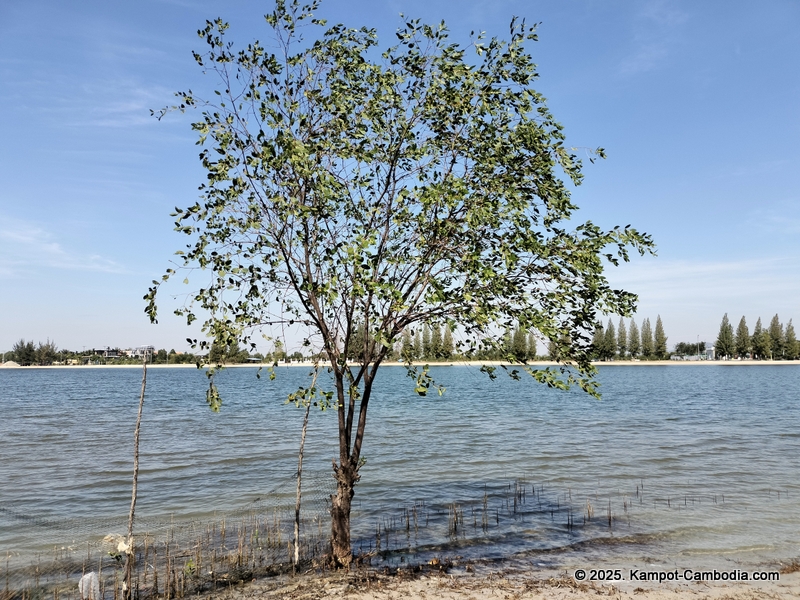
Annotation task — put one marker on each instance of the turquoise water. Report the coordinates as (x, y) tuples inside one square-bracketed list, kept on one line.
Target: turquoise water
[(698, 464)]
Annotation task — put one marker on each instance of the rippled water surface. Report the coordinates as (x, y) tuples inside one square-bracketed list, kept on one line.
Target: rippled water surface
[(695, 463)]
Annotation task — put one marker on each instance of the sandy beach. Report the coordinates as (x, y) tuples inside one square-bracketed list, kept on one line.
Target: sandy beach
[(429, 584)]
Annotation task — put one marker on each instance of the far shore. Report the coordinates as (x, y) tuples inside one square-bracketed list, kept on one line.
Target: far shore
[(455, 363)]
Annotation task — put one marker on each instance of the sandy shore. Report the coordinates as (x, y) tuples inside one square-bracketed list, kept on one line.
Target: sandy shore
[(431, 584)]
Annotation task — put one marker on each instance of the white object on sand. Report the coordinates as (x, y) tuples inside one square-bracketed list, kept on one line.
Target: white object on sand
[(89, 586)]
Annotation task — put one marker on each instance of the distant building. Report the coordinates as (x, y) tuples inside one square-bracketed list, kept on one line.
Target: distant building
[(107, 352), (143, 351)]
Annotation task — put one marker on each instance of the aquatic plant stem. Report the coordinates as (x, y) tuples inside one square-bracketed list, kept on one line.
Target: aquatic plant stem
[(129, 541), (299, 477), (300, 473)]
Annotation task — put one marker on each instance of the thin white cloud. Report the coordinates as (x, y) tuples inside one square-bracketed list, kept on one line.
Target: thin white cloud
[(654, 36), (779, 219), (106, 100), (120, 103), (25, 246)]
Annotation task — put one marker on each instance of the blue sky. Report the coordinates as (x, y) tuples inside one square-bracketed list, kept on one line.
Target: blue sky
[(696, 103)]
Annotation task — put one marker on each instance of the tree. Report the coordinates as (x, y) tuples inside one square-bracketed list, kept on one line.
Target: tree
[(532, 350), (358, 341), (506, 352), (660, 340), (278, 353), (395, 189), (598, 342), (790, 340), (609, 342), (407, 347), (417, 345), (690, 349), (447, 343), (742, 341), (221, 353), (46, 353), (427, 354), (647, 339), (436, 342), (622, 339), (725, 344), (24, 352), (776, 338), (519, 344), (760, 341), (633, 340)]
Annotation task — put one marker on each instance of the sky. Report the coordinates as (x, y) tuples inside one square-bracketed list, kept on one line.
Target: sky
[(696, 103)]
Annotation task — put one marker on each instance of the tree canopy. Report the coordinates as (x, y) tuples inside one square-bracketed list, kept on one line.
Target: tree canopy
[(742, 340), (647, 339), (634, 345), (726, 343), (354, 191)]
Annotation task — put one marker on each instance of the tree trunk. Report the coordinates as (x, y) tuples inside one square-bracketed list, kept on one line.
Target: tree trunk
[(346, 471), (346, 478)]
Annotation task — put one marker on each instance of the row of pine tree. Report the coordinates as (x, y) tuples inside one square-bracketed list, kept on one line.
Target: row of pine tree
[(623, 342), (436, 343), (431, 343), (773, 343)]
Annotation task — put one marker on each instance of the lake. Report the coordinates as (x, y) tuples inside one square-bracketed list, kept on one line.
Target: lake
[(697, 465)]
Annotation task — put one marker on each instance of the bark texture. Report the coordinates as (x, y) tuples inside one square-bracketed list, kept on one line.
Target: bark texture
[(341, 501)]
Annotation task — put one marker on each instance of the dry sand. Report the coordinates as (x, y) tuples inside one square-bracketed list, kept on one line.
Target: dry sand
[(430, 583)]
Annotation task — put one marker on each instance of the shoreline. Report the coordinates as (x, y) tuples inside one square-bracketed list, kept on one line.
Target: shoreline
[(454, 363), (469, 582)]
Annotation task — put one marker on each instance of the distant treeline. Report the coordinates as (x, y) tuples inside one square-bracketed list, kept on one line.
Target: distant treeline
[(27, 353), (435, 343), (773, 343)]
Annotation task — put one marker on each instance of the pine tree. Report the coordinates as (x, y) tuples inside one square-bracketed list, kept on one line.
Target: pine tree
[(760, 341), (417, 345), (610, 342), (406, 346), (508, 344), (436, 342), (622, 338), (447, 343), (742, 341), (634, 345), (358, 341), (426, 342), (725, 345), (519, 344), (790, 341), (46, 353), (776, 337), (552, 350), (647, 339), (660, 341), (25, 352), (531, 346), (598, 341)]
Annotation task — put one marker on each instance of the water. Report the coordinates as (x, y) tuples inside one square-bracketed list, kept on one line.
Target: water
[(700, 465)]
